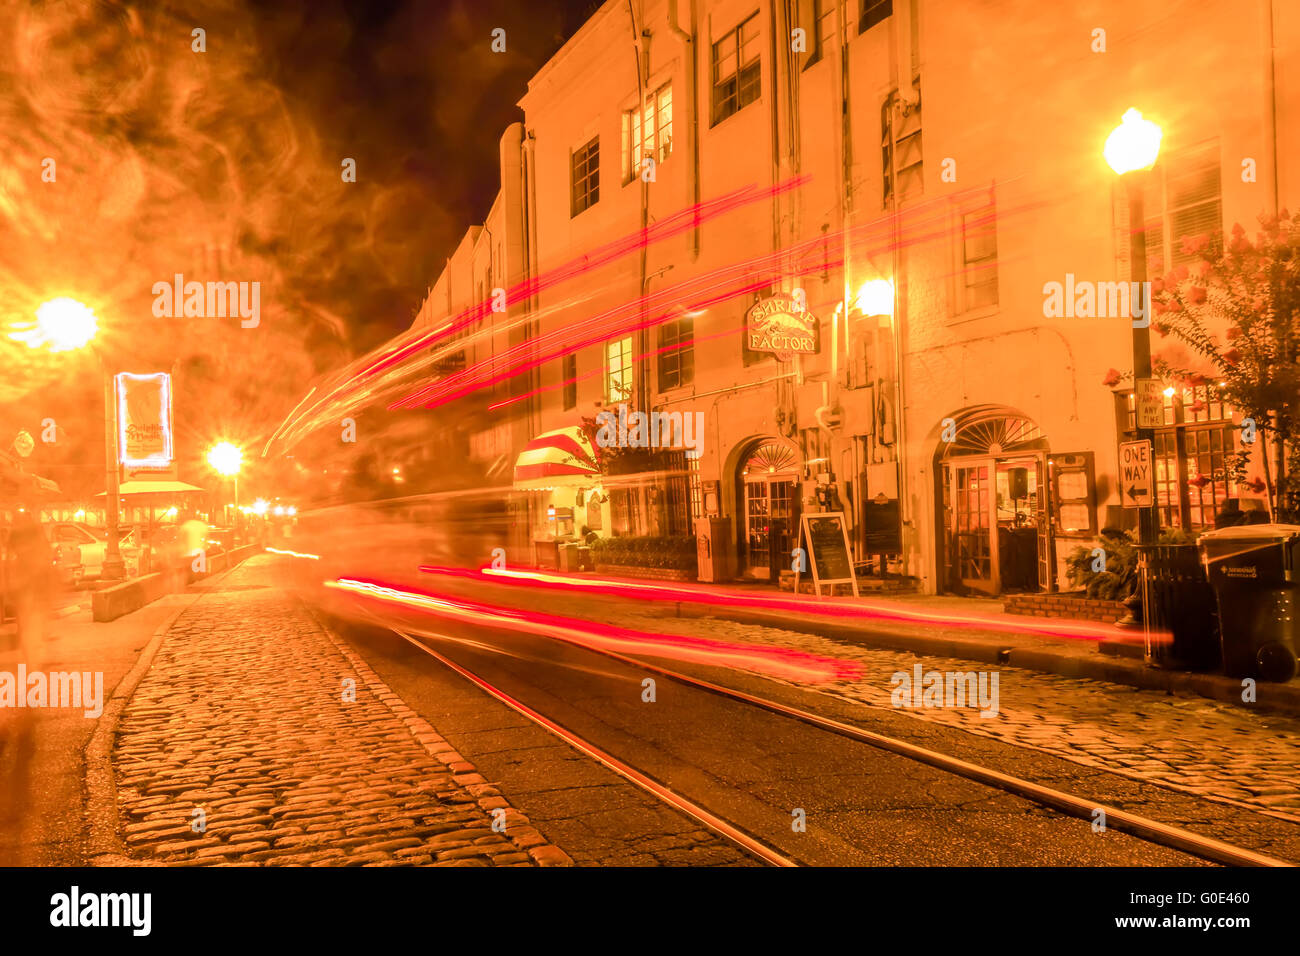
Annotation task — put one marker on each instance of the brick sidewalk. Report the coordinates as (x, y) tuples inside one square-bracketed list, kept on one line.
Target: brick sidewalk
[(243, 715)]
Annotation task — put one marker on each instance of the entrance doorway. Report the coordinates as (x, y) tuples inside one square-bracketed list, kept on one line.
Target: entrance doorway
[(995, 533), (770, 494)]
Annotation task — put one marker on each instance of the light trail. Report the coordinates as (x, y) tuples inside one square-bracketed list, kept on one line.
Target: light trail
[(698, 594), (784, 663)]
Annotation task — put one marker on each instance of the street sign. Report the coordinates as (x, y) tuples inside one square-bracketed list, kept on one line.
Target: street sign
[(1136, 479), (1149, 394)]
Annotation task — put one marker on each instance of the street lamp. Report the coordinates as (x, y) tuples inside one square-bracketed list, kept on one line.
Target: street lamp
[(1130, 150), (62, 325), (226, 458)]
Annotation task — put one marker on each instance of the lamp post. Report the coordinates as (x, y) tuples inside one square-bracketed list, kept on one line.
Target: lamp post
[(62, 325), (226, 458), (1131, 150)]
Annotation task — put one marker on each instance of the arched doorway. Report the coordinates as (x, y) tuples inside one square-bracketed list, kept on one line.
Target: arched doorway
[(767, 507), (991, 487)]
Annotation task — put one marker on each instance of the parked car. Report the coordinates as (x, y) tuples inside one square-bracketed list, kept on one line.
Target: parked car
[(93, 543)]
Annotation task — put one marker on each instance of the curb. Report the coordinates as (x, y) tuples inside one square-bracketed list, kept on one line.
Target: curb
[(1276, 698), (518, 829), (104, 846)]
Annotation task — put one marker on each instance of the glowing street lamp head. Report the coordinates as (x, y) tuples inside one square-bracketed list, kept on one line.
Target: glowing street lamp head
[(875, 297), (225, 458), (61, 325), (1133, 144)]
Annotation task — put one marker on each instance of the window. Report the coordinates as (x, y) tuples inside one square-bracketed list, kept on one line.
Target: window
[(1196, 442), (676, 354), (655, 130), (585, 179), (900, 146), (618, 370), (820, 17), (873, 12), (678, 491), (736, 70), (1182, 198), (569, 373), (979, 245)]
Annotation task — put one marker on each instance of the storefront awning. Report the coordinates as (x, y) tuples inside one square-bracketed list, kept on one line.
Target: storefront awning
[(128, 488), (562, 458)]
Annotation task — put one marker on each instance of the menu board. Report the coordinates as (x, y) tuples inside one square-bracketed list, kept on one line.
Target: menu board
[(828, 550)]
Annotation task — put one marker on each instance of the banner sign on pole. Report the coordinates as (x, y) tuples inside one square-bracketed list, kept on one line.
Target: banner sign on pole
[(144, 420)]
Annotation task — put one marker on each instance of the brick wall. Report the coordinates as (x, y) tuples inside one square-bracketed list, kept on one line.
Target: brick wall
[(658, 574), (1063, 605)]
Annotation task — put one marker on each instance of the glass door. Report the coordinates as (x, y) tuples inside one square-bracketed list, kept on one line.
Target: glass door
[(972, 564)]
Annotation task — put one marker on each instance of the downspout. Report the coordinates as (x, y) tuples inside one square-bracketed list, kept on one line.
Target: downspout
[(642, 339), (690, 61), (530, 240), (900, 411)]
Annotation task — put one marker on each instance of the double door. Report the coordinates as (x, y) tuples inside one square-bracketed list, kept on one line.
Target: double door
[(997, 527), (771, 521)]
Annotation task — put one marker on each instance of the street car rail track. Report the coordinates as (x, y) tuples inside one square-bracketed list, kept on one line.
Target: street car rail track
[(713, 822), (1152, 831)]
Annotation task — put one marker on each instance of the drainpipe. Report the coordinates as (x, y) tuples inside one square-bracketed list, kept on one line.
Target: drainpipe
[(1270, 99), (642, 392), (690, 60)]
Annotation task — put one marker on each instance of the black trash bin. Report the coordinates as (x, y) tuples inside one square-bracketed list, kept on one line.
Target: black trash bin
[(1253, 571), (1179, 613)]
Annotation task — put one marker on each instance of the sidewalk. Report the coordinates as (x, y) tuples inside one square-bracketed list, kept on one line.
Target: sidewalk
[(43, 812), (257, 737)]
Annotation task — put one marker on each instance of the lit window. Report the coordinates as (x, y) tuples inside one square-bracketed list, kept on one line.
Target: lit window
[(618, 370), (655, 131)]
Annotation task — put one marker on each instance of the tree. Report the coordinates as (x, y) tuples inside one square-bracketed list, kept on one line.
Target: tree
[(1237, 308)]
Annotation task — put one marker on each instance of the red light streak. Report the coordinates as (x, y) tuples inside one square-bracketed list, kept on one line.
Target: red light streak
[(699, 594), (784, 663)]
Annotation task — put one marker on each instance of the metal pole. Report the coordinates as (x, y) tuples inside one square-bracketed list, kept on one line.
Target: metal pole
[(114, 569), (1148, 518)]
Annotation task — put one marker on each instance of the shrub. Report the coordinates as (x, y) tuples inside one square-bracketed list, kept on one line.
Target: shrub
[(675, 552), (1120, 577)]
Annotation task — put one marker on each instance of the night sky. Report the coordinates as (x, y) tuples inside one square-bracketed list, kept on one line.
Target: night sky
[(413, 92)]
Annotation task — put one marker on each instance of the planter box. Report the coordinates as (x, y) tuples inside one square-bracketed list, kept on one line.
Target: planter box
[(657, 574), (1064, 605)]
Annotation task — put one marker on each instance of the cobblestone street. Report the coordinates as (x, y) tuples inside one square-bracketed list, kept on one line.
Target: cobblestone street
[(245, 744), (1214, 750)]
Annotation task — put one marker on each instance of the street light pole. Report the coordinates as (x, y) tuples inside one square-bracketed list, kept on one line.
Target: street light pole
[(1134, 182), (114, 568)]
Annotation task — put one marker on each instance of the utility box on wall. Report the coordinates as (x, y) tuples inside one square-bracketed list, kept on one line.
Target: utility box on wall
[(714, 551)]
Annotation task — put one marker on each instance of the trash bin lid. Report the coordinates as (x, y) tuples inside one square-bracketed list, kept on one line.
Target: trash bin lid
[(1255, 533)]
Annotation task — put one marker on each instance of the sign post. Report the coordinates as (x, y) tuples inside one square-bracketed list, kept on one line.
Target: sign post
[(1136, 476), (829, 556)]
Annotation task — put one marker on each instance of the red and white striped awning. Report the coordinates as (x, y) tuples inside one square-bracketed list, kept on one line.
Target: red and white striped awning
[(562, 458)]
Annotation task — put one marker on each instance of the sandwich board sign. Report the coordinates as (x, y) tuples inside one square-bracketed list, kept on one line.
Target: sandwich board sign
[(829, 556), (1136, 477)]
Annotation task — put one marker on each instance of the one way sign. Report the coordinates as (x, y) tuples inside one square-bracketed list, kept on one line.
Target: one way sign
[(1135, 478)]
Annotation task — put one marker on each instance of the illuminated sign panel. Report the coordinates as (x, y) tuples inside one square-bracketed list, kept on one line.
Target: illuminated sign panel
[(777, 324), (144, 420)]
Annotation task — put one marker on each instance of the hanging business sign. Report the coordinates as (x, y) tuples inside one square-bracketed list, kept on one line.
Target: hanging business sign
[(778, 325), (144, 420)]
